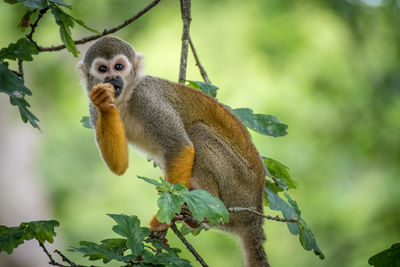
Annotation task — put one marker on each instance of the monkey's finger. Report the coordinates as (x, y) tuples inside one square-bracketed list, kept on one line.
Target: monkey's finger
[(105, 99), (97, 90), (100, 95)]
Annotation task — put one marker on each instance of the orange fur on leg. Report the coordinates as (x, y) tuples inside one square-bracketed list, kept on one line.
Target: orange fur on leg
[(180, 170)]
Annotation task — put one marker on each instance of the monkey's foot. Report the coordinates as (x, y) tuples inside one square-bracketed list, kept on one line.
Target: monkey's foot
[(156, 226)]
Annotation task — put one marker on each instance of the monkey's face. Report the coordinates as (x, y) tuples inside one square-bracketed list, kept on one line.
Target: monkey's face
[(116, 71)]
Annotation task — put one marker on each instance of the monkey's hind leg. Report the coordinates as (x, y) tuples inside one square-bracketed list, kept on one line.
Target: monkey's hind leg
[(179, 170)]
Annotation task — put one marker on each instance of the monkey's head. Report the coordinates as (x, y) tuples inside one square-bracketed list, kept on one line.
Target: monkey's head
[(111, 60)]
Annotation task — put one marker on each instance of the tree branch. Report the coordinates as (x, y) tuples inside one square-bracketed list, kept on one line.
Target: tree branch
[(201, 68), (188, 245), (20, 72), (186, 18), (268, 217), (105, 32)]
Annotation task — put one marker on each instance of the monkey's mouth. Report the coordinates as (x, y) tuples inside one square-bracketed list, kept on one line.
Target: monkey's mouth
[(117, 90)]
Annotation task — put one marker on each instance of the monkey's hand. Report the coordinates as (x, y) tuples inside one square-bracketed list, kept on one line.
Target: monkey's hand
[(102, 96), (110, 133)]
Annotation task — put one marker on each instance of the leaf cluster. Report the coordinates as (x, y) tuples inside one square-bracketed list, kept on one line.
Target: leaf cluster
[(135, 248), (12, 237), (201, 204)]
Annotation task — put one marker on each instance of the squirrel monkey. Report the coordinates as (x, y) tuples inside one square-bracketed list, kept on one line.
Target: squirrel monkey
[(192, 137)]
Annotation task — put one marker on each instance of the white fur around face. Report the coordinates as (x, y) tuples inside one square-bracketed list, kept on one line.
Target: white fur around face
[(110, 65)]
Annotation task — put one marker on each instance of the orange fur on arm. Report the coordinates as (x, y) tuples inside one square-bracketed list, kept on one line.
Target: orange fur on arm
[(180, 170), (112, 141)]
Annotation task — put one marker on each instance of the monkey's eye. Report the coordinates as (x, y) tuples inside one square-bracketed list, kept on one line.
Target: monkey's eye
[(119, 66), (102, 68)]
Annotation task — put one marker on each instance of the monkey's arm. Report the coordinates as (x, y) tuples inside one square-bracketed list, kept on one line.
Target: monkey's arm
[(110, 134)]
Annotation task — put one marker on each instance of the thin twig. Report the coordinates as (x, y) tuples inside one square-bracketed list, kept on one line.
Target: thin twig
[(35, 24), (105, 32), (188, 245), (201, 68), (186, 18), (52, 261), (268, 217), (65, 259)]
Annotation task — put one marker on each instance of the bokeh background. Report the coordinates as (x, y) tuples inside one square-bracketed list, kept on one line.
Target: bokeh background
[(329, 69)]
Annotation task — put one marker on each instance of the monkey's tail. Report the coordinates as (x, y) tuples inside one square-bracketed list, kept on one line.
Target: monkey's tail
[(252, 238)]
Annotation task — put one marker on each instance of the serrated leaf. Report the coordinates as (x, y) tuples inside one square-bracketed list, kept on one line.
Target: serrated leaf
[(206, 88), (169, 205), (86, 122), (22, 49), (150, 181), (100, 252), (14, 87), (129, 227), (387, 258), (280, 172), (275, 202), (204, 206), (41, 230), (60, 2), (11, 1), (261, 123), (10, 238), (65, 23), (292, 211), (165, 259), (185, 230), (160, 246), (33, 4)]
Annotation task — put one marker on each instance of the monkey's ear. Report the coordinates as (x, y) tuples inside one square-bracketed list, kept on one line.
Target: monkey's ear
[(138, 64), (83, 70)]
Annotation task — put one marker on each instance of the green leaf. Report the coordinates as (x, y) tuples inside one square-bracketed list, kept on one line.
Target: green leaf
[(150, 181), (86, 122), (104, 251), (33, 4), (14, 87), (160, 246), (261, 123), (65, 22), (41, 230), (10, 238), (11, 1), (169, 205), (185, 230), (292, 211), (387, 258), (280, 172), (206, 88), (129, 227), (22, 49), (165, 259), (277, 203), (60, 2), (204, 206)]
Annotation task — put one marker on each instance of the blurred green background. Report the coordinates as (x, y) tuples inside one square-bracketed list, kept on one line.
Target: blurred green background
[(329, 69)]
